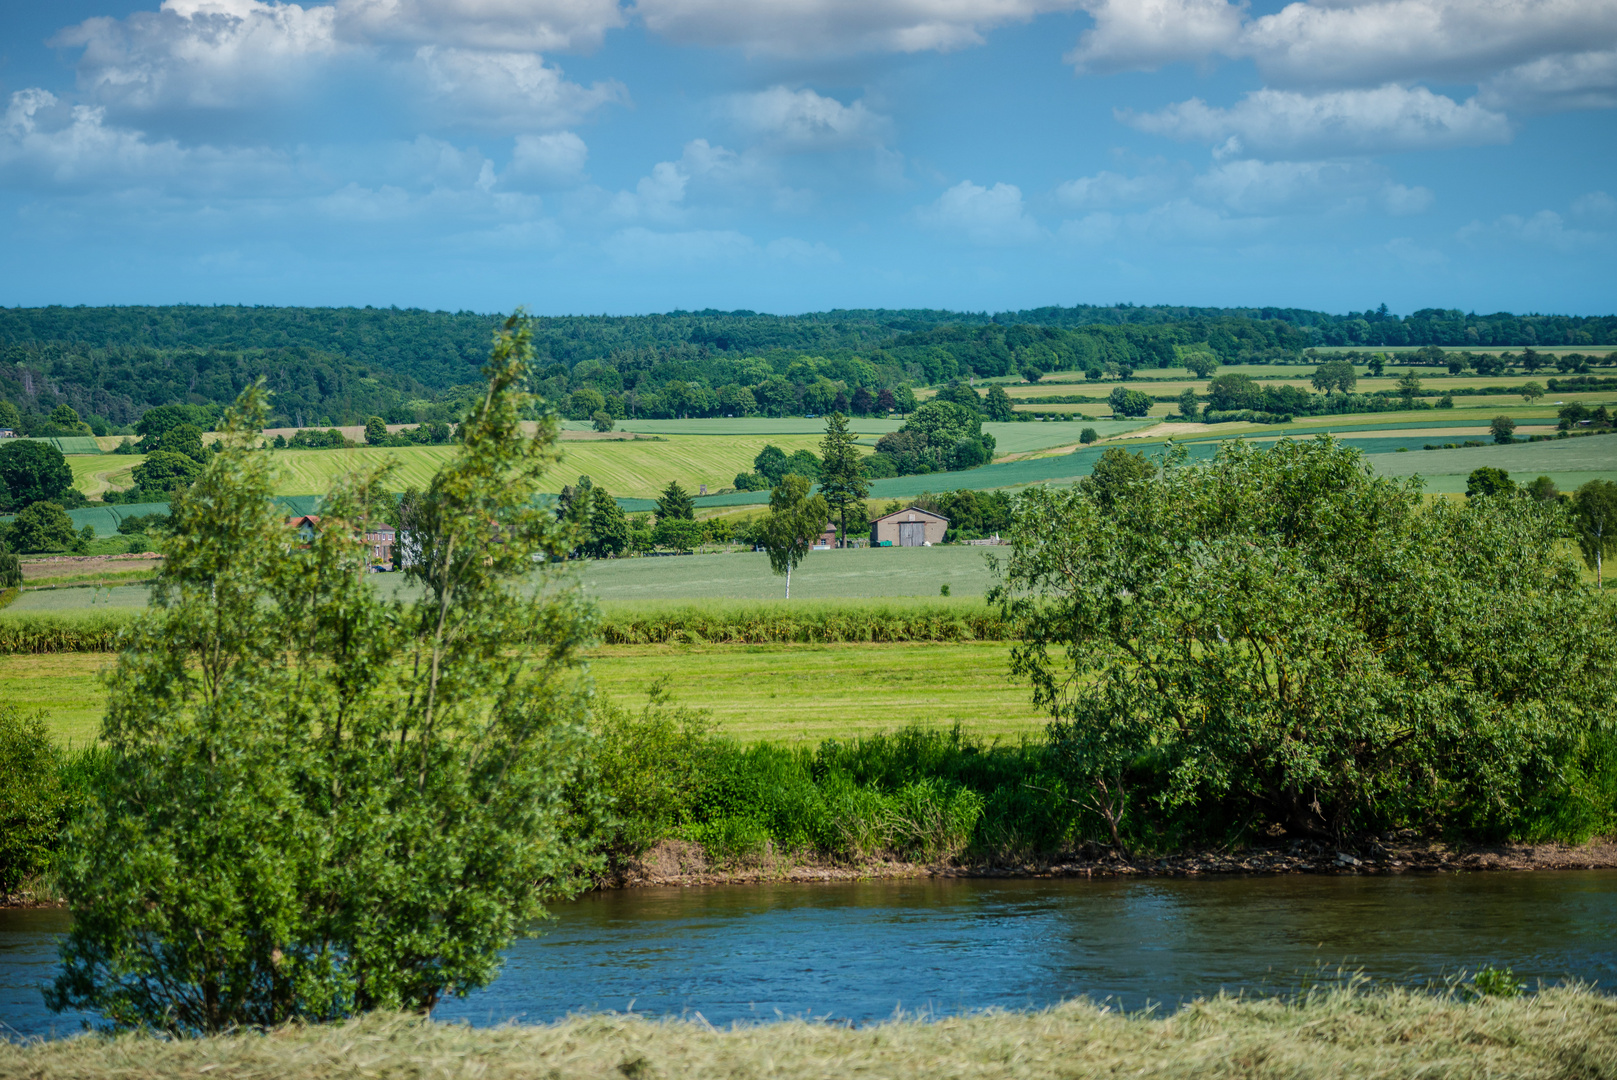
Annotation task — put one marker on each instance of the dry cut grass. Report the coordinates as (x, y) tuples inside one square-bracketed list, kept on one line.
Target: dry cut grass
[(1337, 1033)]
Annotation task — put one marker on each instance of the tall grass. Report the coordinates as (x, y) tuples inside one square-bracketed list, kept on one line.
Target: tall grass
[(732, 622), (75, 632), (718, 622)]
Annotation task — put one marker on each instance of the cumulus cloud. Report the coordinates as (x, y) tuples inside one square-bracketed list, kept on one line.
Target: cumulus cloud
[(508, 91), (992, 216), (67, 149), (1363, 44), (496, 25), (720, 177), (837, 27), (476, 63), (1107, 190), (1143, 35), (201, 53), (1281, 122), (546, 161), (1585, 80), (1340, 43), (802, 119)]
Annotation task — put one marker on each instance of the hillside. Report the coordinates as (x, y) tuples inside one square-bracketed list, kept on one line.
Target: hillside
[(338, 365)]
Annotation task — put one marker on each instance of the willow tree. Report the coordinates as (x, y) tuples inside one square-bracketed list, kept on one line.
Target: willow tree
[(326, 802)]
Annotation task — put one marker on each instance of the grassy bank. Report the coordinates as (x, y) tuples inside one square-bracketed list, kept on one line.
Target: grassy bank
[(1561, 1032)]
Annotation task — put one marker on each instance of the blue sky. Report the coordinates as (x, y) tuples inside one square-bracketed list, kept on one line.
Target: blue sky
[(628, 156)]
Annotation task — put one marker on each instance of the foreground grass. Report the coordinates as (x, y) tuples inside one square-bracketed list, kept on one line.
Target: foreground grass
[(1340, 1033), (778, 693)]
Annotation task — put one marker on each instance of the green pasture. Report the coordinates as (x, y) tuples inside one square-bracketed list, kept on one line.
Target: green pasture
[(1593, 456), (754, 692), (853, 572), (96, 473), (768, 428)]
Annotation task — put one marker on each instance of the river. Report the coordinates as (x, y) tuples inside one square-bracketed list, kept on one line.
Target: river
[(861, 951)]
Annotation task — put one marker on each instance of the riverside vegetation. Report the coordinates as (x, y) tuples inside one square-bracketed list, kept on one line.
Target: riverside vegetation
[(1270, 642)]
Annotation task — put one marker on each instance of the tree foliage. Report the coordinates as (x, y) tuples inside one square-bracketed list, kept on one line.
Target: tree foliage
[(1281, 637), (794, 521), (40, 527), (842, 479), (675, 503), (1594, 516), (30, 471), (323, 802)]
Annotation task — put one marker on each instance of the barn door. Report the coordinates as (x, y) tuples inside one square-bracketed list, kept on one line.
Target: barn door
[(911, 533)]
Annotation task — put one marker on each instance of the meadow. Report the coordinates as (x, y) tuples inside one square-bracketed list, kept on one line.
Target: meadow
[(775, 693)]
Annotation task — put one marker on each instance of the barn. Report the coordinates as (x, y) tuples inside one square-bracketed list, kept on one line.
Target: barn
[(910, 527)]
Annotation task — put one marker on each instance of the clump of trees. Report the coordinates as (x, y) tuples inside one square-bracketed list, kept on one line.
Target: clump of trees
[(1283, 639), (944, 434), (321, 802)]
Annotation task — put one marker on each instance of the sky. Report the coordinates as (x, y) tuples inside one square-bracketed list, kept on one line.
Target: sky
[(632, 156)]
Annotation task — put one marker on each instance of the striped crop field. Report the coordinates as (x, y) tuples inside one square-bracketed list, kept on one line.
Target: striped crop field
[(96, 473), (639, 468)]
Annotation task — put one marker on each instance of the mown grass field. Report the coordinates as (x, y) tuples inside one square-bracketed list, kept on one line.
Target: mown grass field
[(639, 468), (1328, 1034), (856, 572), (96, 473), (780, 693)]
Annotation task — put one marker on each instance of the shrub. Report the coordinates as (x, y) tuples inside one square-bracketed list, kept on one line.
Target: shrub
[(1087, 436), (33, 801)]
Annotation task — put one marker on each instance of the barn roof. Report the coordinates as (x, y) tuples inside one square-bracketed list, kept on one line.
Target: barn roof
[(896, 514)]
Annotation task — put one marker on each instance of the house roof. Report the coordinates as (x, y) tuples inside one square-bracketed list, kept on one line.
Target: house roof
[(310, 520), (903, 515)]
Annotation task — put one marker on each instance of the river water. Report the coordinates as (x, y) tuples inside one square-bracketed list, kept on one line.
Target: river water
[(860, 951)]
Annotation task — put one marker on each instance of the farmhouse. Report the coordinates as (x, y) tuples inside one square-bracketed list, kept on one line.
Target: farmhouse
[(379, 538), (910, 527)]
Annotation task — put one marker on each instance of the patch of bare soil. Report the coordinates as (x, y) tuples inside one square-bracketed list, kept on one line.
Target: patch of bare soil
[(676, 862), (55, 566), (1156, 431)]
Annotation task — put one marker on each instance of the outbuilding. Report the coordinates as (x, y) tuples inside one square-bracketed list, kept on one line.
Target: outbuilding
[(910, 527)]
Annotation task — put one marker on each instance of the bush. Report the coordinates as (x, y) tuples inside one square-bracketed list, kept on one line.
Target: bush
[(41, 527), (1087, 436), (33, 801)]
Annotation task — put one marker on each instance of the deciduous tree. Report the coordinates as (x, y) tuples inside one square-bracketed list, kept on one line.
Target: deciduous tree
[(795, 520), (1594, 514), (324, 802)]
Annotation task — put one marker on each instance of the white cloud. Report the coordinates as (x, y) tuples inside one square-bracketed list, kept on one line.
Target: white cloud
[(1106, 190), (837, 27), (1344, 43), (1269, 187), (722, 178), (546, 161), (64, 148), (1545, 229), (1363, 44), (496, 25), (1585, 80), (1143, 35), (989, 216), (509, 91), (802, 119), (1405, 250), (476, 64), (1283, 122), (1595, 206), (201, 53)]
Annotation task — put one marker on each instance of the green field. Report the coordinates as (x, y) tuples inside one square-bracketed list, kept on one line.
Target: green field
[(754, 692), (856, 572)]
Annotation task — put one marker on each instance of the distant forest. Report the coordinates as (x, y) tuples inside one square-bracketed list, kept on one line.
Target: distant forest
[(331, 366)]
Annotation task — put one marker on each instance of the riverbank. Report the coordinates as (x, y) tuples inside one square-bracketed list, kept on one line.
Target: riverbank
[(680, 863), (1561, 1032)]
